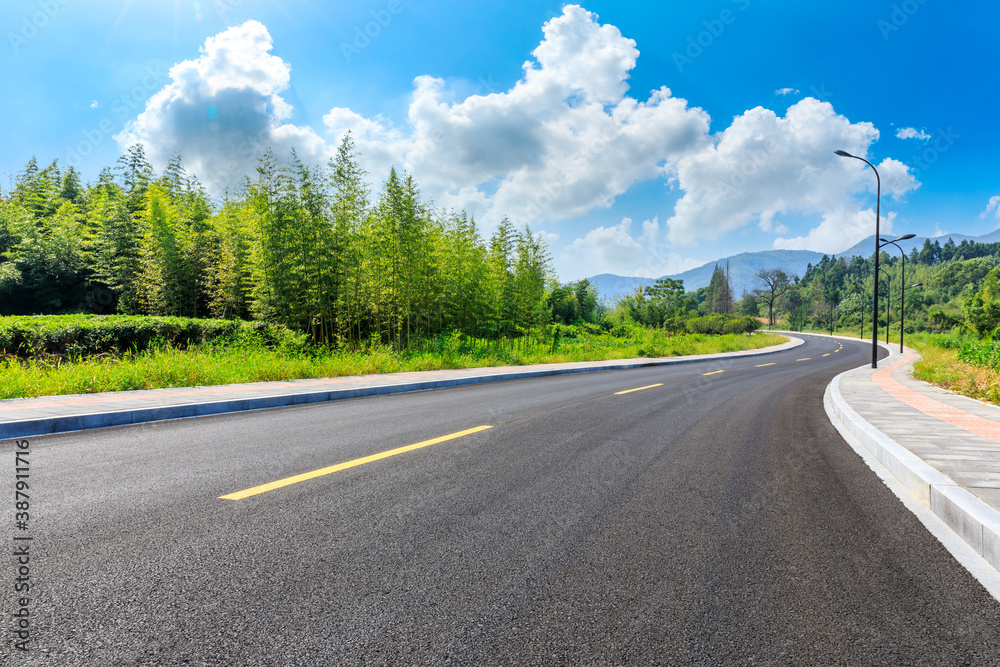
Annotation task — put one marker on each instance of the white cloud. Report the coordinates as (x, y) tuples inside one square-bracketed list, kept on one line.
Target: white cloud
[(763, 166), (786, 91), (616, 250), (563, 140), (993, 206), (94, 104), (222, 110), (839, 230), (912, 133)]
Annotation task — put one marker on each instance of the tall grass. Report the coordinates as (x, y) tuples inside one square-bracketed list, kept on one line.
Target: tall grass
[(960, 364), (228, 363)]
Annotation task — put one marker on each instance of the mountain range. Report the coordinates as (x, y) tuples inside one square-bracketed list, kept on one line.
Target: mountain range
[(744, 266)]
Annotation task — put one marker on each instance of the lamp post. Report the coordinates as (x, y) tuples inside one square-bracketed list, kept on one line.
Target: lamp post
[(878, 204), (902, 294)]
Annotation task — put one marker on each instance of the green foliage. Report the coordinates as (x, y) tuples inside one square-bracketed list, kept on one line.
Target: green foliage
[(981, 353), (225, 362), (982, 309), (719, 294), (76, 336), (299, 246), (722, 324)]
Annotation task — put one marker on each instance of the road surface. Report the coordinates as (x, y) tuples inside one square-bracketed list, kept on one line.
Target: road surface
[(709, 515)]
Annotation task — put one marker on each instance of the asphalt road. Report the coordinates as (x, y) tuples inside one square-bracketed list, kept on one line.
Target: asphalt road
[(715, 519)]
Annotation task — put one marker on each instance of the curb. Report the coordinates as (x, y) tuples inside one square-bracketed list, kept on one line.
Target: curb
[(968, 516), (82, 422)]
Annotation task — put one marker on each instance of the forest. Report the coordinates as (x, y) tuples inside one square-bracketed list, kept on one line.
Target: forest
[(949, 288), (307, 247), (313, 249)]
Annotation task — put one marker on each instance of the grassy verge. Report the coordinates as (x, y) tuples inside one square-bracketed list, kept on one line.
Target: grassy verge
[(940, 364), (213, 364)]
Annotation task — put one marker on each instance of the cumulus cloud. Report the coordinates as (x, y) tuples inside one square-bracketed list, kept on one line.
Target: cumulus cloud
[(616, 250), (993, 206), (222, 110), (562, 141), (763, 166), (912, 133), (786, 91), (565, 139)]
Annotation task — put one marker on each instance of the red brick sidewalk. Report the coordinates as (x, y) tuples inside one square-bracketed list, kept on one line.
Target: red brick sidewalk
[(946, 413)]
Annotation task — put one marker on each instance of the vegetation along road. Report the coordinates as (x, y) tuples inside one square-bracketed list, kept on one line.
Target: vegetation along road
[(705, 513)]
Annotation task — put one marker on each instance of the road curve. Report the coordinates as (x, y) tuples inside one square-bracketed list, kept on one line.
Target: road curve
[(698, 514)]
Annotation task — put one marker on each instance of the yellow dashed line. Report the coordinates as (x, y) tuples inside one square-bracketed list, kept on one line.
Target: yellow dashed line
[(239, 495), (713, 372), (770, 364), (629, 391)]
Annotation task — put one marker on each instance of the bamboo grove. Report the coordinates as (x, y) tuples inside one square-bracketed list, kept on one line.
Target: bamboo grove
[(306, 246)]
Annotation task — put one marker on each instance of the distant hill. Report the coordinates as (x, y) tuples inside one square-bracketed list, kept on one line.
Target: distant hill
[(866, 247), (744, 266)]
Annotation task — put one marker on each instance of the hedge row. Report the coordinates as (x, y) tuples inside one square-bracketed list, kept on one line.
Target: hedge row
[(86, 335), (712, 324)]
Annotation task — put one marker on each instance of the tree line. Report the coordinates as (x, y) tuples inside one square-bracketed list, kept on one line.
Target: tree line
[(310, 247), (948, 287)]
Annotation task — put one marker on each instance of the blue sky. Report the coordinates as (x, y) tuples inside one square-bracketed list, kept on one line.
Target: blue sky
[(639, 138)]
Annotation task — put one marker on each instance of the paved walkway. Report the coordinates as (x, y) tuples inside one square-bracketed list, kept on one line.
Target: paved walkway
[(943, 447), (21, 418)]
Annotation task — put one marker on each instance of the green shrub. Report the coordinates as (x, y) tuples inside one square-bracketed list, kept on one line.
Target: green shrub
[(675, 325), (89, 335), (984, 353)]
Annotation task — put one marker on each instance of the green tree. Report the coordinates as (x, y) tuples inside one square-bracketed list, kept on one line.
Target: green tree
[(982, 310), (772, 284)]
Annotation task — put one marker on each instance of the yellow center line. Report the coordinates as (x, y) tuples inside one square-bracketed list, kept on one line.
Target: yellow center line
[(713, 372), (806, 359), (827, 354), (770, 364), (629, 391), (240, 495)]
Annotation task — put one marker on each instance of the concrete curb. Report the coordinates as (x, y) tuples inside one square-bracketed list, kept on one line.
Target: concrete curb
[(81, 422), (968, 516)]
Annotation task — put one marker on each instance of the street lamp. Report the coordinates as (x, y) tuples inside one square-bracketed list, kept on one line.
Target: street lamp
[(878, 204), (902, 296)]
